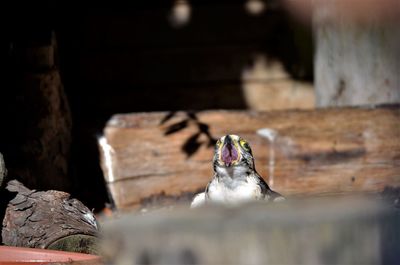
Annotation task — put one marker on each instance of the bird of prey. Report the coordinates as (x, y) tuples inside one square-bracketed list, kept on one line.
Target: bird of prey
[(235, 178)]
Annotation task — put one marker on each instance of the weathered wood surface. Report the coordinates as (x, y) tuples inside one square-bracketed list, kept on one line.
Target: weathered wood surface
[(319, 231), (48, 219), (157, 156), (355, 63)]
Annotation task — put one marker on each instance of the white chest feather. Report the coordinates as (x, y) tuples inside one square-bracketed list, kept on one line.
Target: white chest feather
[(232, 190)]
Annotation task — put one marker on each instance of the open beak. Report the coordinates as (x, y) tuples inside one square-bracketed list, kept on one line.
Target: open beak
[(229, 153)]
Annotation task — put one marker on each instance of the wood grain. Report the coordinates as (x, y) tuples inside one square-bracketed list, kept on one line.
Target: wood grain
[(317, 152)]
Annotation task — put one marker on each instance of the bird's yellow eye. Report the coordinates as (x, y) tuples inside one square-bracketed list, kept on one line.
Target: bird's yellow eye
[(244, 144), (218, 142)]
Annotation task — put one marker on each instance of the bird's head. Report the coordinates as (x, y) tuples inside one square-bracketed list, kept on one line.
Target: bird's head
[(232, 150)]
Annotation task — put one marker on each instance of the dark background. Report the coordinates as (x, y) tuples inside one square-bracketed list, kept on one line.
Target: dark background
[(118, 57)]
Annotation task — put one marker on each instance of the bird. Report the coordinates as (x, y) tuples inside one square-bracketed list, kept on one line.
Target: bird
[(235, 179)]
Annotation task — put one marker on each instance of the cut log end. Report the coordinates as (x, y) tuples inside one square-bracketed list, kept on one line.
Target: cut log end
[(77, 243)]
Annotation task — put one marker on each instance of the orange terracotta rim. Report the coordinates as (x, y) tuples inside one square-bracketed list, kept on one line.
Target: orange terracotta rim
[(20, 255)]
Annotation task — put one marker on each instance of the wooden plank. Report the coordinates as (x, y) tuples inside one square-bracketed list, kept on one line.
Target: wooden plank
[(317, 152)]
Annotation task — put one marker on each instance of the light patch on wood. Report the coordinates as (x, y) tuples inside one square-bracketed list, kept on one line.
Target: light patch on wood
[(270, 134), (107, 152), (267, 86)]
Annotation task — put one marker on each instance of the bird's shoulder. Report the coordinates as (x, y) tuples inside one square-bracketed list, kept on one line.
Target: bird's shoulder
[(198, 200), (269, 194)]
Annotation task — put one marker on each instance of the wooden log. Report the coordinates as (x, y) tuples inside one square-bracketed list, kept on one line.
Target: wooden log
[(48, 219), (155, 157)]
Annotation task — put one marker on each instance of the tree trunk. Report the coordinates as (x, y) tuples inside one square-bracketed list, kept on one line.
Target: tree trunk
[(36, 140)]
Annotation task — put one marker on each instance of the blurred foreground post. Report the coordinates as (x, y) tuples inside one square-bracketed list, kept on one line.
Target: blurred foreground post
[(338, 231), (357, 57)]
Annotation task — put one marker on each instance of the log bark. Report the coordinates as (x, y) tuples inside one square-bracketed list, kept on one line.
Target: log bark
[(48, 219), (158, 158)]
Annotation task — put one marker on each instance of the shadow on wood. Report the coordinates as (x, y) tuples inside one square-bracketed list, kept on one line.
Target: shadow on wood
[(318, 152)]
